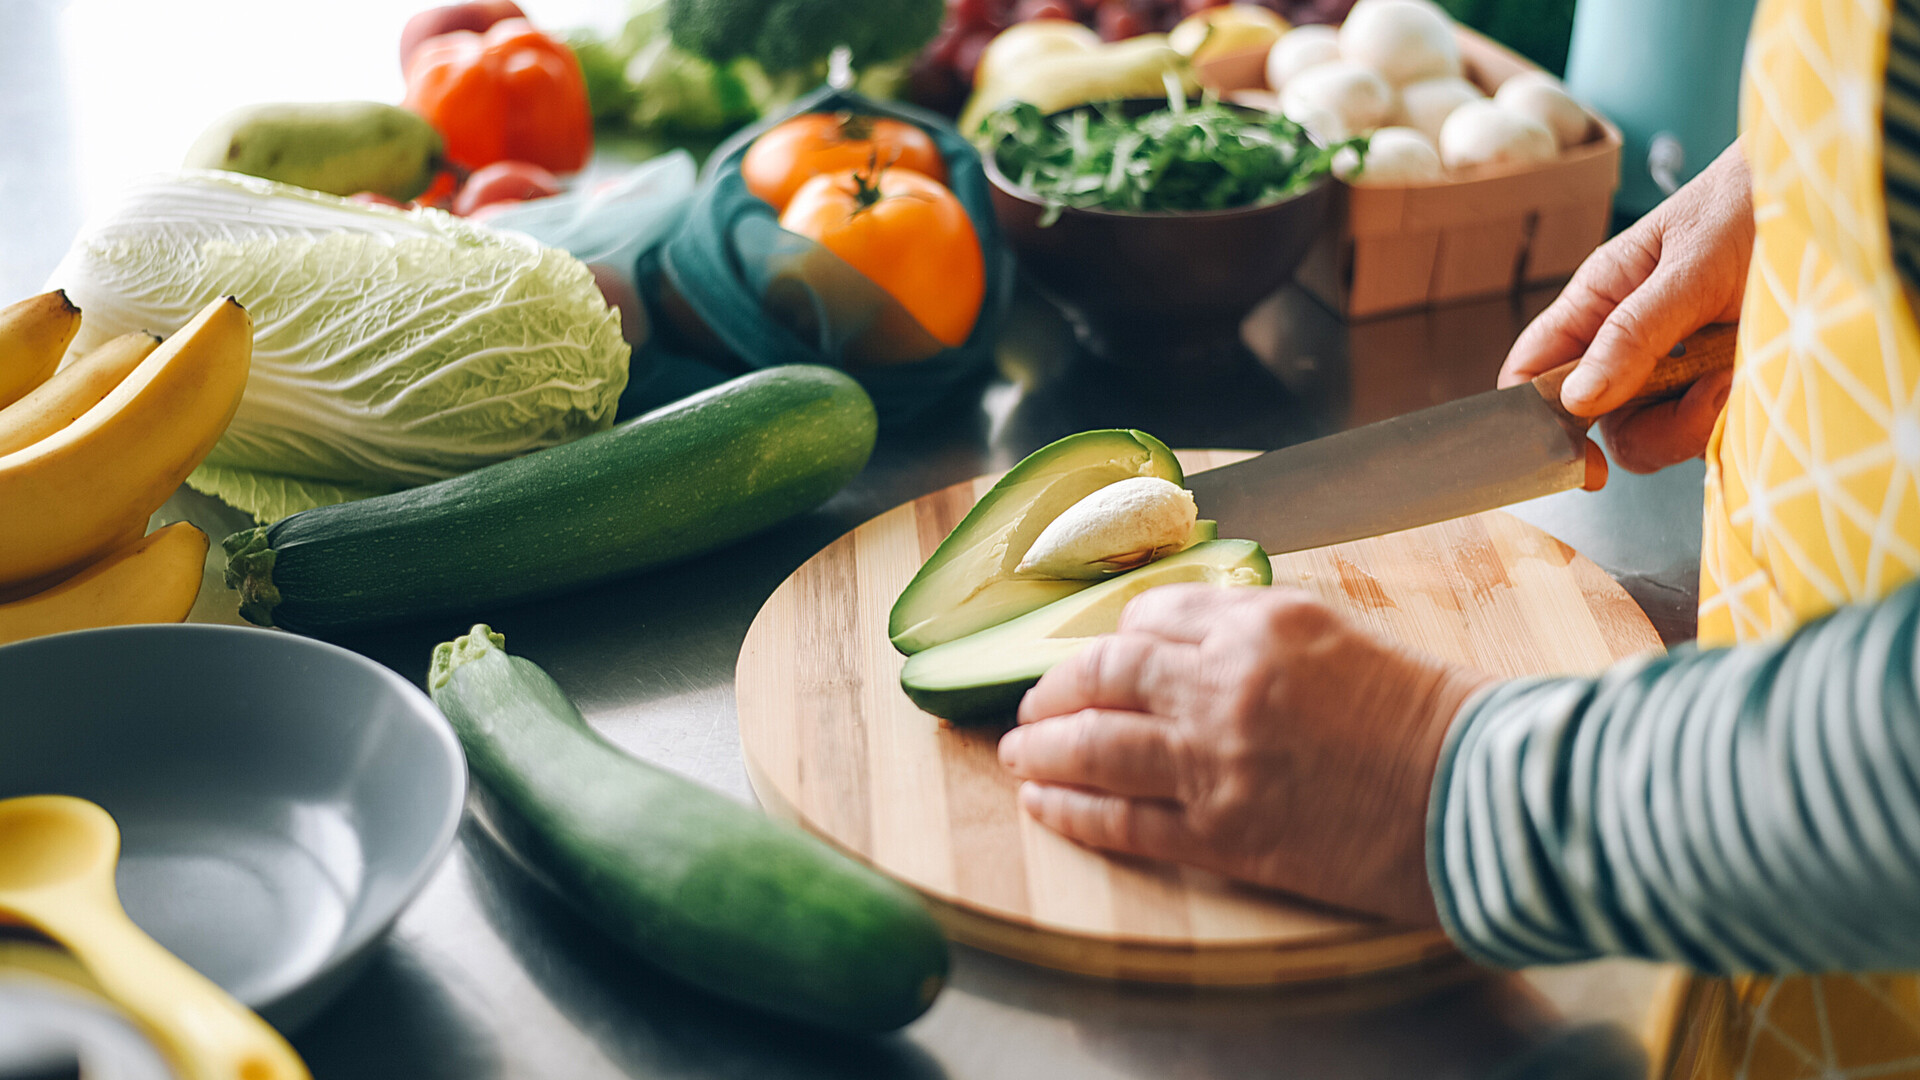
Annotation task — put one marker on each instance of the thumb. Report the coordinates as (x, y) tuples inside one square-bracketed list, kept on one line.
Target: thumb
[(1645, 327)]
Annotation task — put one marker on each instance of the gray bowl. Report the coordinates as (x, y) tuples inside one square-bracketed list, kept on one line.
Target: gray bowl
[(279, 799)]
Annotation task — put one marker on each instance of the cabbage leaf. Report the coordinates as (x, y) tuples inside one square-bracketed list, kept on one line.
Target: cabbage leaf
[(390, 348)]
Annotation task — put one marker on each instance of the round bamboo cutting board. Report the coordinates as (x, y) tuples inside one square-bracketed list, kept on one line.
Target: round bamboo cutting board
[(832, 742)]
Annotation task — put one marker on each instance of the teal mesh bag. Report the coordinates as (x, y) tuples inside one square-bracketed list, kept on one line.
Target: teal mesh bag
[(729, 287)]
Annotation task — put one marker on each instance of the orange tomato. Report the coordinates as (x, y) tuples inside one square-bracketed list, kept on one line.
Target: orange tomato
[(904, 231), (802, 148)]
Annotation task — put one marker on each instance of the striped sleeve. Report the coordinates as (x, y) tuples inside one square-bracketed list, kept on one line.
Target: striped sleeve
[(1900, 122), (1752, 809)]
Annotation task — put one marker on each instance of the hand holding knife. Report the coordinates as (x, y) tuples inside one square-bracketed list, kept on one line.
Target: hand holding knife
[(1461, 457)]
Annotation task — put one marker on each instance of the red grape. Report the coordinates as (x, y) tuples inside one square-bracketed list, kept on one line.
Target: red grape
[(967, 56), (1042, 9), (974, 14), (941, 51), (1115, 22)]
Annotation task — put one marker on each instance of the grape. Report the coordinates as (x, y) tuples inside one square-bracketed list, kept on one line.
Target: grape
[(1115, 21), (1042, 9), (967, 56), (974, 14)]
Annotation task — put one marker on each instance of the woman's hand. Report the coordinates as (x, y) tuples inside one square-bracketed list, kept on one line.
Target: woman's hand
[(1252, 732), (1679, 268)]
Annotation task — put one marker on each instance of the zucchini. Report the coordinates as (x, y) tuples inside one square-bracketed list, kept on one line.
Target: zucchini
[(694, 883), (676, 482)]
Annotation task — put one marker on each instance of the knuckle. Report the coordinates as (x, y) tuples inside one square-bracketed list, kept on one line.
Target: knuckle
[(1091, 661), (1118, 824), (1293, 614), (1083, 745)]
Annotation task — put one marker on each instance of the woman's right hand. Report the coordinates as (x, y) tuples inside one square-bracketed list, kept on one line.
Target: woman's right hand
[(1679, 268)]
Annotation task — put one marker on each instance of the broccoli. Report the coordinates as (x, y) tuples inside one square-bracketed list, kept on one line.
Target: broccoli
[(794, 36)]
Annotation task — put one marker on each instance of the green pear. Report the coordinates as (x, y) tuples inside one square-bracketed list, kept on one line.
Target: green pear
[(342, 147)]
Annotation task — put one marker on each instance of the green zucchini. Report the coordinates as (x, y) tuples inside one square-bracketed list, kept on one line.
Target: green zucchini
[(671, 484), (693, 882)]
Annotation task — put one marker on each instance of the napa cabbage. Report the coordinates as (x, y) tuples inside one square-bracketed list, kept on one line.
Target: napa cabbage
[(391, 348)]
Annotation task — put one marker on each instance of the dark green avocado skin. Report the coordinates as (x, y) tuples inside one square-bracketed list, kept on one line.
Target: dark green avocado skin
[(1001, 666), (991, 703)]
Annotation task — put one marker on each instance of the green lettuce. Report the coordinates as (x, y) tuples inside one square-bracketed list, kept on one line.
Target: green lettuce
[(390, 348)]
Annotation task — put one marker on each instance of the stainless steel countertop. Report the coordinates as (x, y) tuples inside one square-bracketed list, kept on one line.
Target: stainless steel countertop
[(487, 977)]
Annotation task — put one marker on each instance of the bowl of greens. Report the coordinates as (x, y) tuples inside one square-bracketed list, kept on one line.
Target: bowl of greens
[(1157, 224)]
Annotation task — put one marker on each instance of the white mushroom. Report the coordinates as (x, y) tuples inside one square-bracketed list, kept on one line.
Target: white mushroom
[(1425, 105), (1354, 97), (1542, 97), (1123, 525), (1395, 155), (1404, 40), (1482, 133), (1299, 49)]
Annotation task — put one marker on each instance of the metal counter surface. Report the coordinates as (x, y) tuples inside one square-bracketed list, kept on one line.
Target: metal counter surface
[(486, 976)]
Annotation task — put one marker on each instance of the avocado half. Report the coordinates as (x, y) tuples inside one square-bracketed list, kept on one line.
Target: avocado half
[(969, 583), (981, 677)]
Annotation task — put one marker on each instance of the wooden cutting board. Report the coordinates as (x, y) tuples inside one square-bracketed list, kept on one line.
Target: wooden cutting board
[(833, 743)]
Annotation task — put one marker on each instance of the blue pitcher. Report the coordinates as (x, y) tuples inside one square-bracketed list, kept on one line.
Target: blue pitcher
[(1668, 73)]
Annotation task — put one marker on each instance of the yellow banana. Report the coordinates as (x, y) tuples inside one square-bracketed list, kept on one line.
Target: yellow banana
[(154, 579), (72, 391), (34, 334), (78, 492)]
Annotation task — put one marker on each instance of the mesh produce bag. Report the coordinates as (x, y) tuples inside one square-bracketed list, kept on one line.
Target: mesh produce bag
[(729, 289)]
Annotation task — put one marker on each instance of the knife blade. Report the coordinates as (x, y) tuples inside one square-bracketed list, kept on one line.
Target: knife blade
[(1462, 457)]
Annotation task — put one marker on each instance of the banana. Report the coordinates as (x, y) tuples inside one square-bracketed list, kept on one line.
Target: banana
[(34, 334), (77, 493), (72, 390), (154, 579)]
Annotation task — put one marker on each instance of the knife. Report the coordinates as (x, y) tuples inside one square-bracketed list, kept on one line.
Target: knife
[(1476, 453)]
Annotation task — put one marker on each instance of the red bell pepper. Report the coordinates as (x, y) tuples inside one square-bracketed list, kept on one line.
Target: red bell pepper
[(510, 94)]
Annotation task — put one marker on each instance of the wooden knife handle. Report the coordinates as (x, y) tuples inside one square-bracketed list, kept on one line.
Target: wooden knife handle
[(1709, 350)]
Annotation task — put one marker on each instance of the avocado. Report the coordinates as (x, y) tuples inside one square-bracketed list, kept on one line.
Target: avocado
[(341, 147), (981, 677), (970, 583)]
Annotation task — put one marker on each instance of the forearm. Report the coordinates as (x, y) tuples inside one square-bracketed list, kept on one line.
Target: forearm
[(1746, 809)]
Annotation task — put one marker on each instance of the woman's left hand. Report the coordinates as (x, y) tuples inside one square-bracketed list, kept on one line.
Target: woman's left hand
[(1252, 732)]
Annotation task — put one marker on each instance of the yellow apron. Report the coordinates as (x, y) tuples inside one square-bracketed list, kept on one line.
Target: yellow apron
[(1811, 498)]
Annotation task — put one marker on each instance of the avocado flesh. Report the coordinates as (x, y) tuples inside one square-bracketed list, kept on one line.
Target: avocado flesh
[(981, 678), (969, 583)]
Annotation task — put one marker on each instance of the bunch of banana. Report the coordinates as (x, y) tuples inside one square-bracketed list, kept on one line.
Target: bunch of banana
[(88, 452)]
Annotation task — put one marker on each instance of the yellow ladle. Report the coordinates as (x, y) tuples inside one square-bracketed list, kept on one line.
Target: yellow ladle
[(57, 856)]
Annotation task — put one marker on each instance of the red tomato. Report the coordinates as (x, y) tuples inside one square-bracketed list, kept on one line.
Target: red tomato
[(808, 145), (504, 181), (374, 198), (907, 234)]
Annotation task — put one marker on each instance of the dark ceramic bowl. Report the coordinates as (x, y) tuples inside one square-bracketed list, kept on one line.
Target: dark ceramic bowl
[(1149, 287)]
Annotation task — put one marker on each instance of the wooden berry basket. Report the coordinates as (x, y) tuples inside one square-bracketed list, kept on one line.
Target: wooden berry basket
[(1486, 231)]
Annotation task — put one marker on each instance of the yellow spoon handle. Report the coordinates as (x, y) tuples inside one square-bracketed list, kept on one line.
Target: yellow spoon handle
[(205, 1033)]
